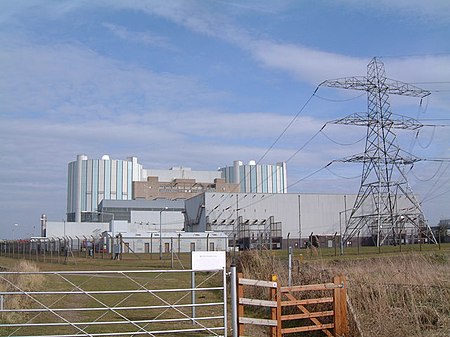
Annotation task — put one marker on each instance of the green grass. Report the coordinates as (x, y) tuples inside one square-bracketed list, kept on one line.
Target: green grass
[(367, 268), (392, 293), (362, 252), (130, 281)]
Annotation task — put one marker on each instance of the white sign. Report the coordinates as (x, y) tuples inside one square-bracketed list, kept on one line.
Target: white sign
[(208, 260)]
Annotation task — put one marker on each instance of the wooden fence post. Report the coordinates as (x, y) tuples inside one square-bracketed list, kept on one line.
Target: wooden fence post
[(279, 322), (274, 314), (340, 307), (240, 291)]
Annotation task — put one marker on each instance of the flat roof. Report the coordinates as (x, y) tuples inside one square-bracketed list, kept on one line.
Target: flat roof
[(157, 204)]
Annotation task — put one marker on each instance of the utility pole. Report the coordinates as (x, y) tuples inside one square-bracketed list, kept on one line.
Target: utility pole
[(385, 203)]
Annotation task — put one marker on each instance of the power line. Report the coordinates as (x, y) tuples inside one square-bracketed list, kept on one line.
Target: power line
[(435, 119), (339, 143), (269, 195), (415, 55), (430, 191), (432, 177), (436, 196), (311, 174), (436, 125), (340, 100), (429, 143), (305, 144), (276, 141), (343, 177), (435, 82), (288, 126), (382, 179), (270, 148)]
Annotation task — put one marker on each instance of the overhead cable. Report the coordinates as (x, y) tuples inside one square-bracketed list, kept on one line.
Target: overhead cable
[(339, 143), (340, 100), (288, 126), (277, 139)]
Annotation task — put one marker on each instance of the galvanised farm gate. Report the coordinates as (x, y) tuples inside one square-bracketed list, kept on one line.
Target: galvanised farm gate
[(113, 303)]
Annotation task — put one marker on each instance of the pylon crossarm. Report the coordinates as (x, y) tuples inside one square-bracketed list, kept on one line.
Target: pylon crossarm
[(358, 119), (355, 83), (366, 158), (405, 89), (363, 119), (405, 122)]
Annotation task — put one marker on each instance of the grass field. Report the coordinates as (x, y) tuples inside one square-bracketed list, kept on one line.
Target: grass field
[(145, 304), (393, 291)]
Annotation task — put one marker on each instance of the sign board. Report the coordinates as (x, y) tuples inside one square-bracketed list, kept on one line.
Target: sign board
[(208, 260)]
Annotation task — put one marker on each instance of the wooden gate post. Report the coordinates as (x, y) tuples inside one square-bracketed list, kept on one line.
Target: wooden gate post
[(274, 311), (240, 292), (340, 306), (279, 322)]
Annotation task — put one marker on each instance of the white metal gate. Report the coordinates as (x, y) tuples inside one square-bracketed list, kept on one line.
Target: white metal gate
[(113, 303)]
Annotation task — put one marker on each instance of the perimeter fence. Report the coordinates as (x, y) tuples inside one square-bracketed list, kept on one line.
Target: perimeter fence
[(63, 249)]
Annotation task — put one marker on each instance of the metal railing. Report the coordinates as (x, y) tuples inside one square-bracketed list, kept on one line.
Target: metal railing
[(113, 303)]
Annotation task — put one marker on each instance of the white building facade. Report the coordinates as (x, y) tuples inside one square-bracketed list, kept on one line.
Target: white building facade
[(179, 172), (92, 180), (255, 217), (257, 178)]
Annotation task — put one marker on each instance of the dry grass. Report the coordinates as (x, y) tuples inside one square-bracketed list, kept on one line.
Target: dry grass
[(29, 282), (395, 294), (406, 295), (403, 295), (105, 282), (261, 265)]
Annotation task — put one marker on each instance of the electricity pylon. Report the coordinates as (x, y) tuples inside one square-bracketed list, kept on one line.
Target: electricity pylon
[(385, 204)]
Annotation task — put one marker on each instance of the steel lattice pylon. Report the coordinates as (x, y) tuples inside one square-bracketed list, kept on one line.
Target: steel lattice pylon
[(385, 204)]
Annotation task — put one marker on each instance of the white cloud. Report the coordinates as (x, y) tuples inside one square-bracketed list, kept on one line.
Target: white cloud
[(61, 99), (145, 38), (313, 66), (435, 10), (72, 80), (306, 64)]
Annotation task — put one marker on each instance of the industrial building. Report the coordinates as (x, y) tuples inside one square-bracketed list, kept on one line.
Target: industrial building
[(89, 181), (134, 237), (178, 188), (256, 178), (442, 231), (108, 197), (138, 238), (253, 219), (144, 226), (145, 212), (248, 203), (92, 181)]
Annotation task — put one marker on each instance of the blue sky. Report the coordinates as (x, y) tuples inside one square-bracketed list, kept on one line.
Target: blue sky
[(202, 83)]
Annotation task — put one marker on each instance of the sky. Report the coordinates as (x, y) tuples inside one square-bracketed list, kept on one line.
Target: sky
[(203, 83)]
